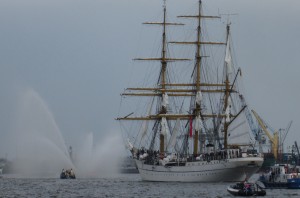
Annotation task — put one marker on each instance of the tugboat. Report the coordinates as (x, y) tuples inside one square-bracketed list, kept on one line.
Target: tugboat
[(281, 176), (246, 189), (67, 174), (294, 183)]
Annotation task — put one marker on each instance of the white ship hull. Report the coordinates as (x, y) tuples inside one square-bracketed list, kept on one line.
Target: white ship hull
[(235, 169)]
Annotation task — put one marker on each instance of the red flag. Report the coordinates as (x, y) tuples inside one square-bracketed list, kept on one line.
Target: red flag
[(191, 126)]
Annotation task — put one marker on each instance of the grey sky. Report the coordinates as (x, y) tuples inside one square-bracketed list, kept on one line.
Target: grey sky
[(77, 55)]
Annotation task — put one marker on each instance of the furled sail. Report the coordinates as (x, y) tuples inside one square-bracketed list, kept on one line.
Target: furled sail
[(198, 97), (165, 101), (228, 59), (172, 142)]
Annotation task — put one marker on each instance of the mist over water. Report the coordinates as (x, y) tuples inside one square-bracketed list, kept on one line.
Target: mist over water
[(41, 150), (102, 159)]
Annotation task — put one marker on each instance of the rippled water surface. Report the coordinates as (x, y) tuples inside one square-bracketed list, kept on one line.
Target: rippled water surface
[(121, 185)]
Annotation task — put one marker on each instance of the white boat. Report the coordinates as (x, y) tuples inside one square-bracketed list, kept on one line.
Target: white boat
[(194, 127)]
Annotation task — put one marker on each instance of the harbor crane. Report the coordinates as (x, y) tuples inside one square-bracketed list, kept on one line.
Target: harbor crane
[(276, 142), (283, 134), (274, 139), (297, 157), (253, 126)]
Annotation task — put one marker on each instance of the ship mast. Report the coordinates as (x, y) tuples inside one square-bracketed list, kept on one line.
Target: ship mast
[(229, 118), (198, 76), (161, 92), (196, 112), (163, 80), (227, 92), (198, 57)]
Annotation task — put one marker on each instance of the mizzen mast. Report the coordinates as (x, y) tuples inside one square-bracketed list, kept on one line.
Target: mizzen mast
[(227, 88)]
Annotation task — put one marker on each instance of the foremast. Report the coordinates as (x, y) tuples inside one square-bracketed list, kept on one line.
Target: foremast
[(161, 92)]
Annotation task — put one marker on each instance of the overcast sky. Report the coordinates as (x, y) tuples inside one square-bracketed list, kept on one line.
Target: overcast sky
[(77, 55)]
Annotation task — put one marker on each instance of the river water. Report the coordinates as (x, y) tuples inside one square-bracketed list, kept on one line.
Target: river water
[(119, 185)]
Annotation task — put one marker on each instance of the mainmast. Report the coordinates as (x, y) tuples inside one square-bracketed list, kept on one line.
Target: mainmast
[(198, 57), (196, 112), (198, 76)]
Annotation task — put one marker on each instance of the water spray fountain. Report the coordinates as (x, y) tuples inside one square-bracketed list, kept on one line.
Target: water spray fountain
[(41, 150)]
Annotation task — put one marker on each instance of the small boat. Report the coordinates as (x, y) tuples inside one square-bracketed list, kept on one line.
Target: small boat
[(246, 189), (67, 174)]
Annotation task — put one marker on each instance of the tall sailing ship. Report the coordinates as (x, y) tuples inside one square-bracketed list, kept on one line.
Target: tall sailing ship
[(191, 125)]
